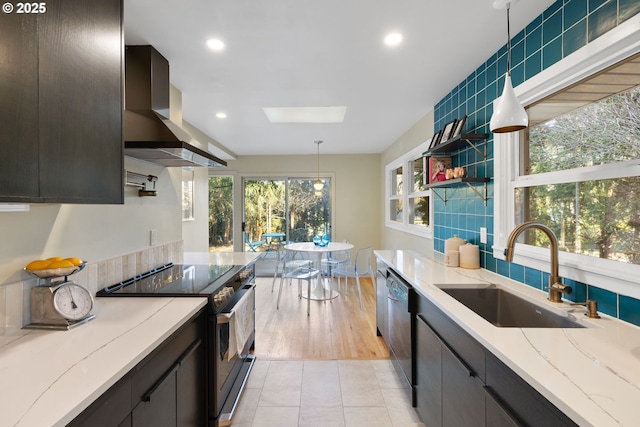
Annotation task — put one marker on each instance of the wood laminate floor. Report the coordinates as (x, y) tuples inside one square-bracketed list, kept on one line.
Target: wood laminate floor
[(335, 330)]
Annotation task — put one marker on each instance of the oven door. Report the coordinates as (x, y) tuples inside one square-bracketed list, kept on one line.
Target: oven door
[(233, 340)]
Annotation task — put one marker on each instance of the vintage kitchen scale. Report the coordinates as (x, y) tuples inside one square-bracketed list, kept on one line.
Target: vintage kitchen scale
[(59, 304)]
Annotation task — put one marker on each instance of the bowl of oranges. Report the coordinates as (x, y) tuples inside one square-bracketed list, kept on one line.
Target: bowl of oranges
[(54, 267)]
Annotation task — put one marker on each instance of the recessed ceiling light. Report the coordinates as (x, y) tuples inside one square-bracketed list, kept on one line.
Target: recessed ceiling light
[(221, 115), (393, 39), (305, 114), (215, 44)]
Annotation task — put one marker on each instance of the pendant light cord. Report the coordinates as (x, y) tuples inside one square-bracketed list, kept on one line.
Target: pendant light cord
[(508, 40), (318, 144)]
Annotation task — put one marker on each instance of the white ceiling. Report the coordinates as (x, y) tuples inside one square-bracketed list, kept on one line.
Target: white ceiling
[(303, 53)]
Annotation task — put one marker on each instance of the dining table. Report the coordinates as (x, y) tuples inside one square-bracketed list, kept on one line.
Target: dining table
[(321, 291)]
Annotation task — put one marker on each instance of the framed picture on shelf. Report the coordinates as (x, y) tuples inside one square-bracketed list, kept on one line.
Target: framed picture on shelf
[(435, 140), (459, 124), (447, 132)]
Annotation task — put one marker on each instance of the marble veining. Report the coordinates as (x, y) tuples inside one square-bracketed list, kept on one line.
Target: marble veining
[(591, 374), (49, 377)]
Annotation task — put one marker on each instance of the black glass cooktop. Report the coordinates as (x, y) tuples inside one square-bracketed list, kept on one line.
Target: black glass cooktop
[(170, 279)]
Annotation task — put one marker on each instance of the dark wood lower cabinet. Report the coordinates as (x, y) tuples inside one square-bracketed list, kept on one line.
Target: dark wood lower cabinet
[(166, 389), (461, 383), (496, 414), (462, 397), (429, 374), (519, 399)]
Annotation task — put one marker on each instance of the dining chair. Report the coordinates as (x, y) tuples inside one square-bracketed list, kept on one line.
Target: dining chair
[(284, 263), (334, 260), (361, 267), (295, 266)]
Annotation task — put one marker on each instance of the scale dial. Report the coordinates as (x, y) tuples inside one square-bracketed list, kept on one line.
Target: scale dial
[(72, 302)]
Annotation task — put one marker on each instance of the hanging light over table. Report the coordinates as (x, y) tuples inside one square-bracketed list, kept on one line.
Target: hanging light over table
[(318, 185), (509, 115)]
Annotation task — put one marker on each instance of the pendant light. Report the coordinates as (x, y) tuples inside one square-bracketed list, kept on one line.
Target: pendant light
[(318, 185), (509, 115)]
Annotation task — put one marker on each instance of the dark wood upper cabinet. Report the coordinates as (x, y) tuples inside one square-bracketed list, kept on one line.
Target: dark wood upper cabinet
[(61, 104)]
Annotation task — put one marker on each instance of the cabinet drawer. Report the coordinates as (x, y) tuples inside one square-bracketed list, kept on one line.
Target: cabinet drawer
[(466, 348), (154, 366), (110, 409), (520, 399)]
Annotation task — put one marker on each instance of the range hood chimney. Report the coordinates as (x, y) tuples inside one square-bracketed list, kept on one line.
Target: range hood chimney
[(149, 135)]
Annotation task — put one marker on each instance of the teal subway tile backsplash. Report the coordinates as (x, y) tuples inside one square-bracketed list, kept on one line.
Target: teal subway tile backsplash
[(533, 41), (575, 37), (595, 4), (516, 272), (607, 300), (566, 26), (630, 310), (552, 27), (574, 11), (552, 53), (627, 9), (533, 277), (533, 64), (602, 20)]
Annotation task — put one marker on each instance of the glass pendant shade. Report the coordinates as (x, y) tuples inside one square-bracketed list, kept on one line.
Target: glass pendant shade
[(509, 115), (318, 185)]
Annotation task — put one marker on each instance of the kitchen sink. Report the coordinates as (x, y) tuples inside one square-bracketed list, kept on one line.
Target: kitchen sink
[(506, 310)]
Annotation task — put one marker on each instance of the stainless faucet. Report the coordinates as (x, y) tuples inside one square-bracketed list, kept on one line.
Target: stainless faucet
[(556, 288)]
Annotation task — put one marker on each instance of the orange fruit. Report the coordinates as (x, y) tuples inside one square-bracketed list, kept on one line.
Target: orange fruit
[(74, 261), (38, 264), (61, 264), (55, 258)]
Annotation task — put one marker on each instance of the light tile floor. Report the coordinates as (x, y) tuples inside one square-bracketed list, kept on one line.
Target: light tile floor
[(325, 393)]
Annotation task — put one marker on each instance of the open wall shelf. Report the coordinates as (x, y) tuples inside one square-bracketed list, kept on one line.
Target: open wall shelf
[(470, 182), (461, 141)]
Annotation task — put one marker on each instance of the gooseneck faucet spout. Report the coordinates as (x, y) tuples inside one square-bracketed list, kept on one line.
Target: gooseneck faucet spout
[(556, 288)]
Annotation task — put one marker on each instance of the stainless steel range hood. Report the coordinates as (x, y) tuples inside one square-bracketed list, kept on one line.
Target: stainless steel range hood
[(149, 135)]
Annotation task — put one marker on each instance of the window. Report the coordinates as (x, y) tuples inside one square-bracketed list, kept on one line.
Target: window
[(221, 213), (593, 206), (576, 168), (408, 199), (187, 194)]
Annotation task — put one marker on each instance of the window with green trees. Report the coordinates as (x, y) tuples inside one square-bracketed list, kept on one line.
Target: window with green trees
[(221, 213), (582, 179)]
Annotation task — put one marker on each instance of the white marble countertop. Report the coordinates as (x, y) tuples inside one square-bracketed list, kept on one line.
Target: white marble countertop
[(49, 377), (591, 374)]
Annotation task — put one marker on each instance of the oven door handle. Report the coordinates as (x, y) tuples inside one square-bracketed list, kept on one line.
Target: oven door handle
[(226, 317)]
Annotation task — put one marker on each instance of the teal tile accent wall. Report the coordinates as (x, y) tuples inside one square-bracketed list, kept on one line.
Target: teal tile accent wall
[(566, 26)]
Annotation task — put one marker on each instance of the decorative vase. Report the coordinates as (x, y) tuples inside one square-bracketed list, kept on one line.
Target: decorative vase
[(325, 238)]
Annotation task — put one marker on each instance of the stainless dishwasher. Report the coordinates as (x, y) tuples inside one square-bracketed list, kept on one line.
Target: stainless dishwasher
[(401, 303)]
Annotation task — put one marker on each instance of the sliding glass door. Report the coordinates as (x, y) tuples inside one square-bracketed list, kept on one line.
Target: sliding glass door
[(280, 210)]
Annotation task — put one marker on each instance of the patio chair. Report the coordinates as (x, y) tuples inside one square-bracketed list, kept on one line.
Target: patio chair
[(361, 267), (253, 245)]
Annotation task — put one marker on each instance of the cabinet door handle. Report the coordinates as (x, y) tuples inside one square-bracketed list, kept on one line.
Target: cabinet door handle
[(491, 394), (153, 391), (464, 364)]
